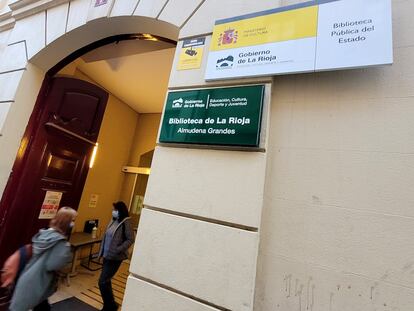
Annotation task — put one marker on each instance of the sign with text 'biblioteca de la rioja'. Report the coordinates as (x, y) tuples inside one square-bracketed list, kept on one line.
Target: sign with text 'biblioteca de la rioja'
[(228, 116)]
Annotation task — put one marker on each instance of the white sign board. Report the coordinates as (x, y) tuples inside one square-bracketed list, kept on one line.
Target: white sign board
[(353, 34), (50, 205), (307, 37), (93, 201)]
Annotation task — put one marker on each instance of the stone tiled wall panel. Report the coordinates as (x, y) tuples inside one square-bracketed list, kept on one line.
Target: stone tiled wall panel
[(364, 125), (151, 8), (16, 57), (4, 38), (4, 109), (31, 29), (99, 11), (143, 296), (78, 14), (295, 285), (176, 16), (341, 239), (56, 22), (343, 179), (124, 7), (403, 25), (9, 83), (208, 183), (212, 262)]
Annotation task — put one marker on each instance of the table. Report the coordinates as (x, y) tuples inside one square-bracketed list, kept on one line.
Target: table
[(78, 240)]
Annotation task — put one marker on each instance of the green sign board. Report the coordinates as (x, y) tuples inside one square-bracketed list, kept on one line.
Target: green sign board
[(218, 116)]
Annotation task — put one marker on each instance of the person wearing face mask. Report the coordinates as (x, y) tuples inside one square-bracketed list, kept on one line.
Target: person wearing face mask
[(119, 236), (51, 252)]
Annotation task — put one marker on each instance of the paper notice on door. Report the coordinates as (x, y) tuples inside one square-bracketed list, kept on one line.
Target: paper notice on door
[(50, 205)]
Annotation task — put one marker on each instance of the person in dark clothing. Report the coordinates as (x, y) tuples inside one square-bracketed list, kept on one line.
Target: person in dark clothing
[(118, 237)]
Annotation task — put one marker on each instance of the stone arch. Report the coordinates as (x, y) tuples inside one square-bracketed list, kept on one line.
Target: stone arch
[(99, 29)]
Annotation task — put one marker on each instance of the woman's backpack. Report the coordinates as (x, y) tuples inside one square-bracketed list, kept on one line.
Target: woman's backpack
[(11, 271)]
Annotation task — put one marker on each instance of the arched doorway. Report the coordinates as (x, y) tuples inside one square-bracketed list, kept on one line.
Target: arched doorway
[(46, 64)]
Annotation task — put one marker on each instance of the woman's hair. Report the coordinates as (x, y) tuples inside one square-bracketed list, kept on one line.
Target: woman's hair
[(62, 220), (122, 209)]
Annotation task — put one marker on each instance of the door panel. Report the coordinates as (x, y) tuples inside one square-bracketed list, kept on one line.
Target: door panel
[(64, 166), (57, 159), (76, 108)]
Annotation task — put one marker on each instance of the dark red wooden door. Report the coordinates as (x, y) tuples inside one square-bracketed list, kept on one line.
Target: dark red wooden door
[(57, 158)]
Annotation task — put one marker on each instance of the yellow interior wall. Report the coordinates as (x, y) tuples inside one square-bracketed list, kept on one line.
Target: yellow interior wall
[(145, 138), (71, 70), (106, 178), (124, 136)]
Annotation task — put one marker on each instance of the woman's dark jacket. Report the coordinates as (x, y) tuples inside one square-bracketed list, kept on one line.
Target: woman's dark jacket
[(122, 239)]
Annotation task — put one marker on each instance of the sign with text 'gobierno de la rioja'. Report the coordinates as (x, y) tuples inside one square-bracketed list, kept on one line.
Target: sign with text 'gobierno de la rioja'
[(312, 36), (217, 116)]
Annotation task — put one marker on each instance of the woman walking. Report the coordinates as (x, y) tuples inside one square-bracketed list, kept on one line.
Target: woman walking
[(51, 252), (118, 237)]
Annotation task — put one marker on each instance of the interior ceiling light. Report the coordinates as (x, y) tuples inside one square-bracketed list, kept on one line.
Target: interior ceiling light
[(95, 150), (147, 36), (133, 45)]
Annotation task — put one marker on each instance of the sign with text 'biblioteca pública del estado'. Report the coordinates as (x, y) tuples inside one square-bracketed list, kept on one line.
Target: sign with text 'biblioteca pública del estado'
[(228, 116), (312, 36)]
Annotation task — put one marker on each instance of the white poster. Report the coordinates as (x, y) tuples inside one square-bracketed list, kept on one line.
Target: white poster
[(267, 59), (50, 205), (354, 33), (93, 201)]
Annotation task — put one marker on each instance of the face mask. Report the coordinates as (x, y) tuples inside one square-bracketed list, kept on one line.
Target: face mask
[(115, 214), (70, 227)]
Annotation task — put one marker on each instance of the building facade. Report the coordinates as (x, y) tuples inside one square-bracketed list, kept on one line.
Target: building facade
[(320, 219)]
